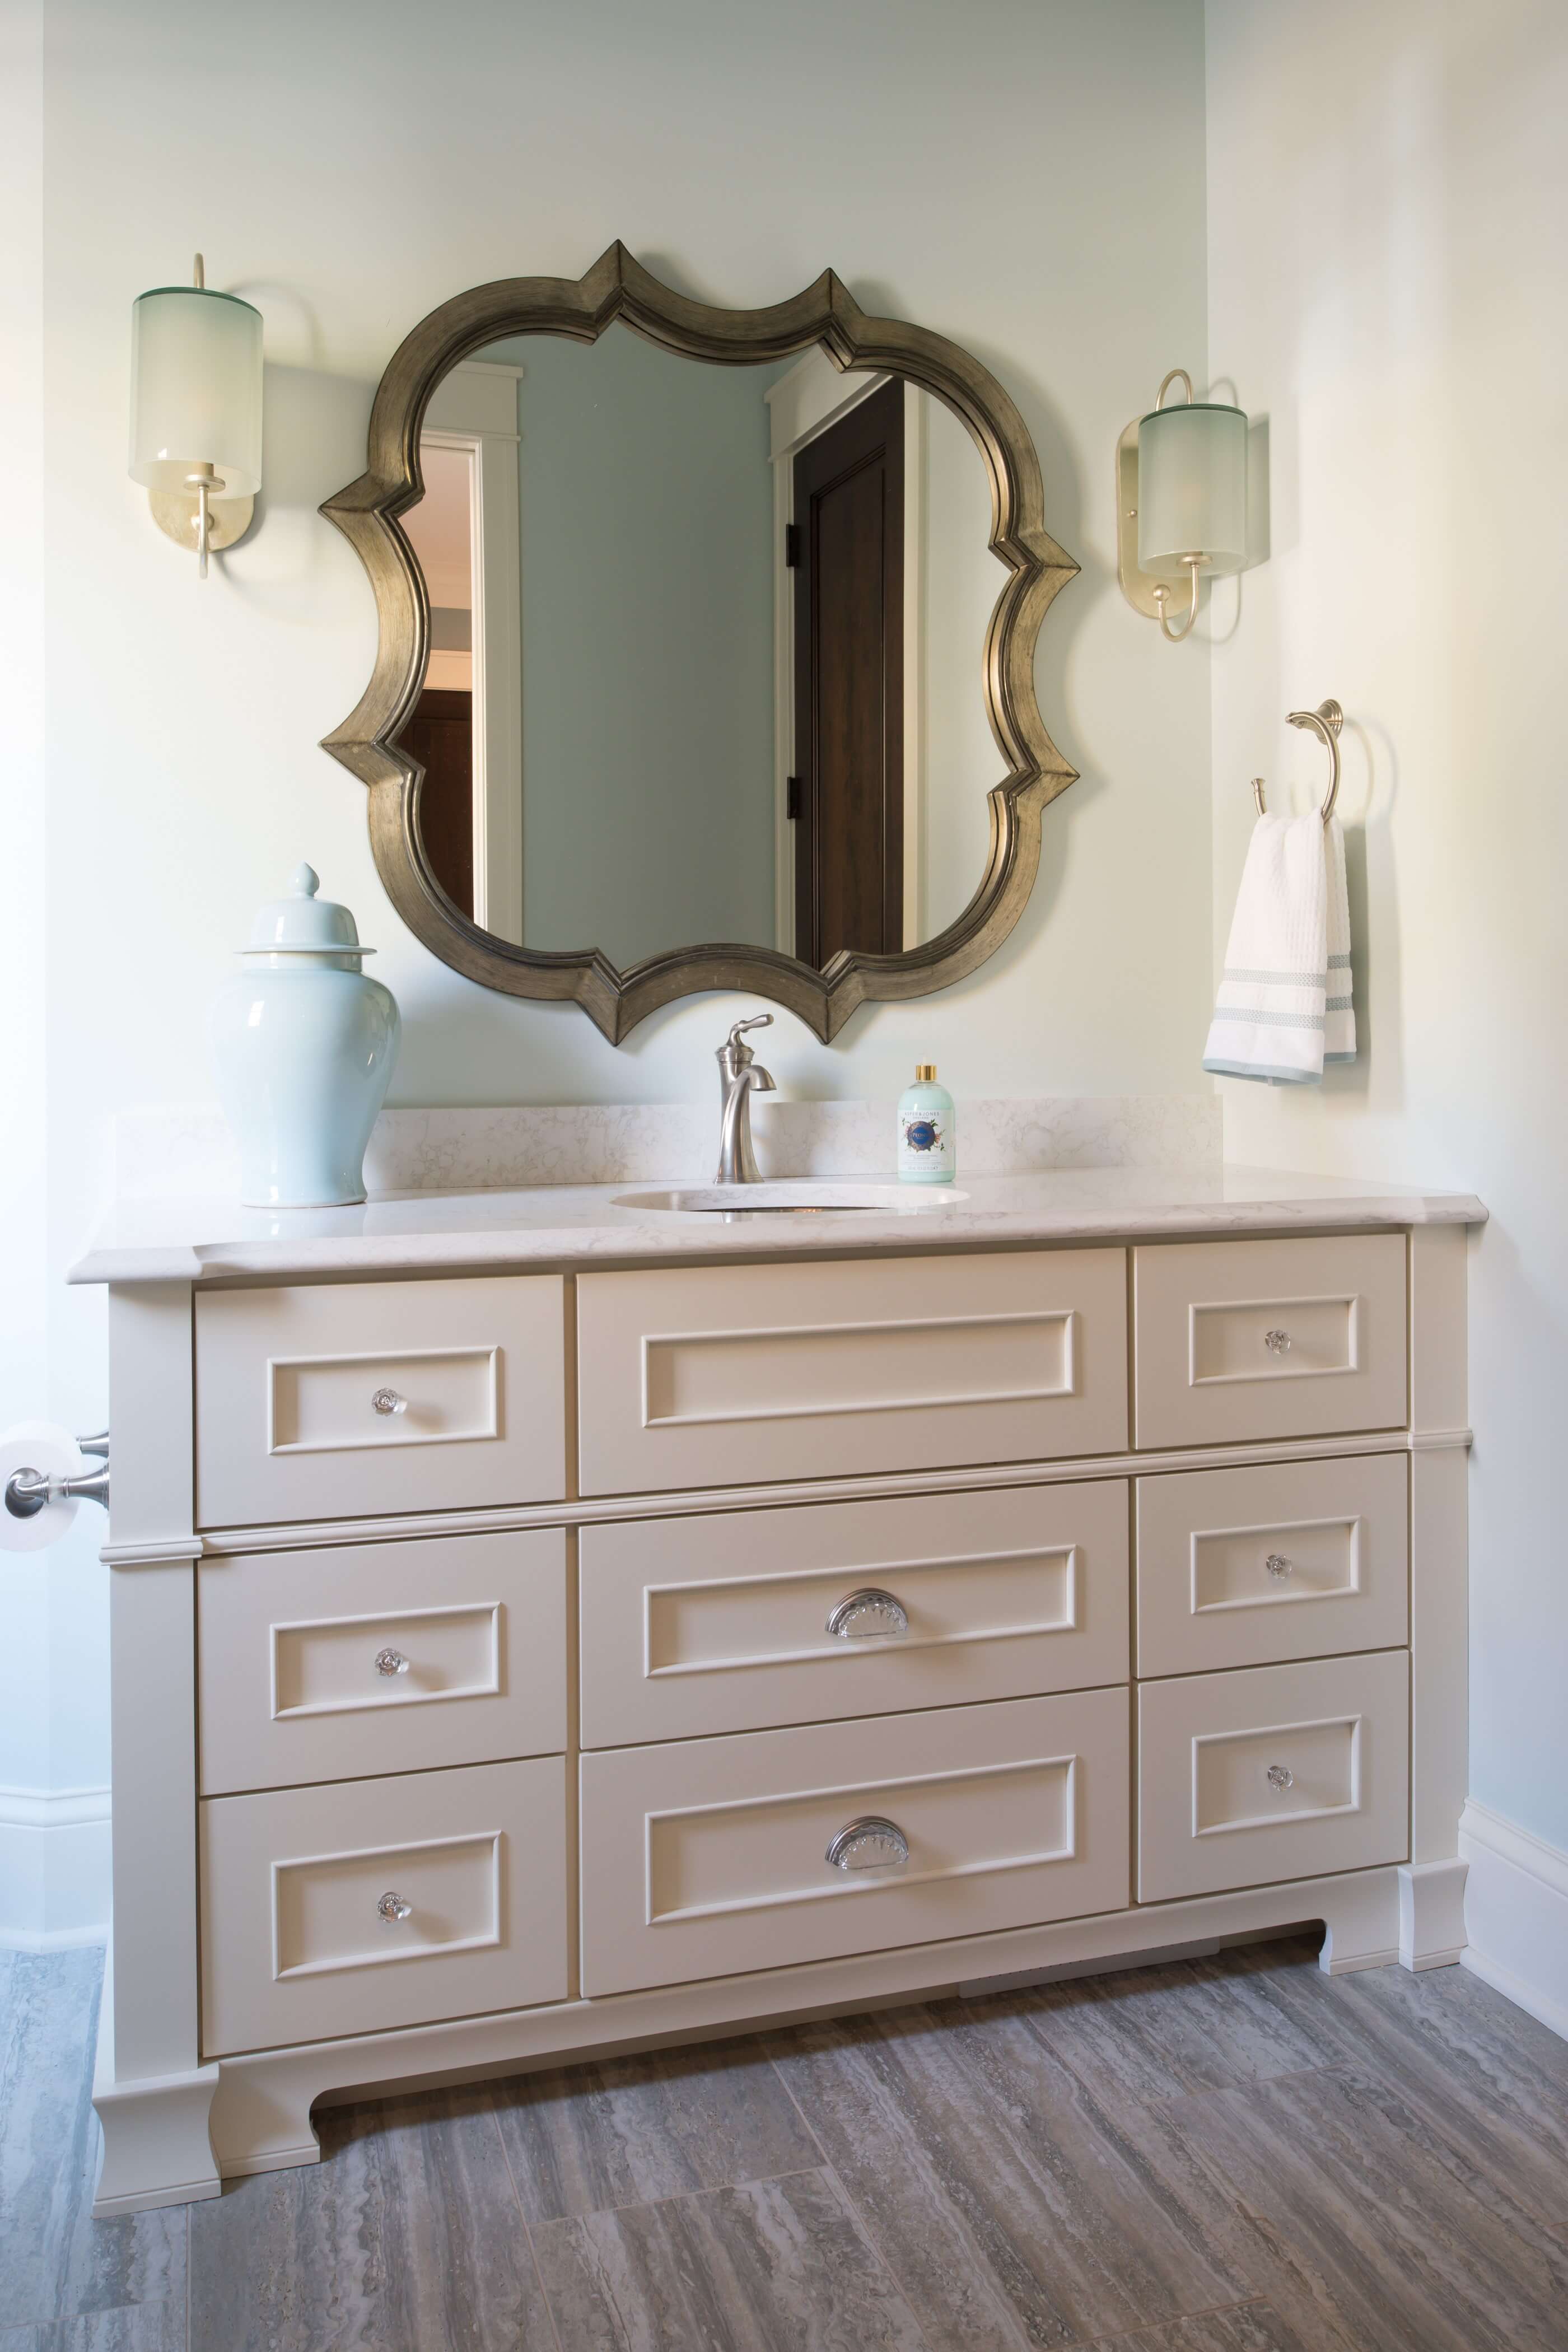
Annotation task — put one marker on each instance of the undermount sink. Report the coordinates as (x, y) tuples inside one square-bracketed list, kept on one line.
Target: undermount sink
[(800, 1196)]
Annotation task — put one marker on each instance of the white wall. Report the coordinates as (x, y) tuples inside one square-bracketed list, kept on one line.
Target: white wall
[(23, 1353), (1026, 175), (1388, 221)]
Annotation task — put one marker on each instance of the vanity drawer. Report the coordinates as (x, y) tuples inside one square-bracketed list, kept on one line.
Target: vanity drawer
[(349, 1398), (1241, 1340), (1278, 1772), (387, 1657), (720, 1376), (721, 1624), (709, 1858), (1295, 1559), (295, 1947)]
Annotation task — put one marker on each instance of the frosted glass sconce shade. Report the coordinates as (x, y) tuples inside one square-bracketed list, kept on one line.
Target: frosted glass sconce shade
[(195, 410), (1192, 485), (1181, 501)]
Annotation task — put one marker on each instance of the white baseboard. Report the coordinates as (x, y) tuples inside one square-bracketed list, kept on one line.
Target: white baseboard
[(54, 1868), (1516, 1914)]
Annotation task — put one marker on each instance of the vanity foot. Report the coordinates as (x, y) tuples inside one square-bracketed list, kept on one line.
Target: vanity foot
[(1432, 1913), (156, 2144), (1361, 1925)]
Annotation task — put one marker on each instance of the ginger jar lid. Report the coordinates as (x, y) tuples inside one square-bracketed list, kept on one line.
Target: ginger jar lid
[(302, 924)]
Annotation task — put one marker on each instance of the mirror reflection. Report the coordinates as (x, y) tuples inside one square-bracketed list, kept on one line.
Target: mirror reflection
[(707, 647)]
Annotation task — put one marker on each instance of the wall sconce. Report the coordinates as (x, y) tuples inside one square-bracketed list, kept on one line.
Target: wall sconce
[(196, 412), (1181, 501)]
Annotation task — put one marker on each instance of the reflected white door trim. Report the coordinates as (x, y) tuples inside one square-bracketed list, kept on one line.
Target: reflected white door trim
[(807, 399), (474, 409)]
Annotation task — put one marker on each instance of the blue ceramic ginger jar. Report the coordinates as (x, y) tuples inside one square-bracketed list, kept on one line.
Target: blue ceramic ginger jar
[(304, 1044)]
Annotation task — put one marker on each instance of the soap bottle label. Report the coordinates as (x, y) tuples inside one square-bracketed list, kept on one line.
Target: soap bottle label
[(925, 1135), (925, 1139)]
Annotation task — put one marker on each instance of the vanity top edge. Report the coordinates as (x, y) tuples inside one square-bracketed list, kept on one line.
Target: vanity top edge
[(569, 1227)]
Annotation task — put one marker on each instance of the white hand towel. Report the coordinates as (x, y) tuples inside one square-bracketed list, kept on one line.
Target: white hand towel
[(1271, 1016)]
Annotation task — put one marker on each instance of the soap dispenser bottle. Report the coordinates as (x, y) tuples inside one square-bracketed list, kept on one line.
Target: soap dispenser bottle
[(927, 1146)]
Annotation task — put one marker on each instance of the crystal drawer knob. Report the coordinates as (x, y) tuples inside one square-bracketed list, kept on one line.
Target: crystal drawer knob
[(1276, 1342), (870, 1843), (1281, 1776), (394, 1909), (869, 1610), (387, 1400), (391, 1662), (1279, 1567)]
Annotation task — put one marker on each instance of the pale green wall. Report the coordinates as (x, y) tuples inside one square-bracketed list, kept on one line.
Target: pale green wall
[(647, 662)]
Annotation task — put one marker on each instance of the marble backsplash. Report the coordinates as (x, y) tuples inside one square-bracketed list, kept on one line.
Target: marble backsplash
[(163, 1153)]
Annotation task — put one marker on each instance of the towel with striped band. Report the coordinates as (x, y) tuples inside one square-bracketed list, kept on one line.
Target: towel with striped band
[(1284, 1005)]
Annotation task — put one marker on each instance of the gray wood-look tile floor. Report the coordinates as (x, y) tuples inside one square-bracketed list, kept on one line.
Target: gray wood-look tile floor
[(1232, 2155)]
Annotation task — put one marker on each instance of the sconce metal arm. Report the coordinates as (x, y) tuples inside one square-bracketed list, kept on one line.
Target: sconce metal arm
[(1162, 597)]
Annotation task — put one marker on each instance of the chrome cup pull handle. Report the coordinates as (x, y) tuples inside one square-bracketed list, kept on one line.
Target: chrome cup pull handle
[(870, 1843), (394, 1909), (869, 1610), (387, 1401)]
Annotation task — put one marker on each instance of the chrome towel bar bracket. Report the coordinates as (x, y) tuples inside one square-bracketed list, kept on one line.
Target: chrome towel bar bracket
[(1325, 723)]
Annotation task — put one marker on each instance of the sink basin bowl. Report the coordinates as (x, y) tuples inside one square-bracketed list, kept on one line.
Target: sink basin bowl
[(801, 1196)]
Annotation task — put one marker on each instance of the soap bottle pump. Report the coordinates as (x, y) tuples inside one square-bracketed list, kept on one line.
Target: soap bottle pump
[(927, 1144)]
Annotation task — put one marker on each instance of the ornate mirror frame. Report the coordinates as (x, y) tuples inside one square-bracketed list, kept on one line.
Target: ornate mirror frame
[(366, 512)]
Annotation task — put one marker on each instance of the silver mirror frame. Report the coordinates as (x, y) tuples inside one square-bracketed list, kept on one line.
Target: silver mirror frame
[(366, 512)]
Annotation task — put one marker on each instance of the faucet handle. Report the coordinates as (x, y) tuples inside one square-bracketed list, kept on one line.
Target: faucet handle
[(733, 1045)]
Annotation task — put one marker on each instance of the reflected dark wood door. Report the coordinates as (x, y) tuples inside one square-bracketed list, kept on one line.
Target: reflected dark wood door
[(849, 683), (440, 736)]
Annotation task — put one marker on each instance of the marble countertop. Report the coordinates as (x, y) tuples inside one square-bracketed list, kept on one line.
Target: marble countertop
[(567, 1226)]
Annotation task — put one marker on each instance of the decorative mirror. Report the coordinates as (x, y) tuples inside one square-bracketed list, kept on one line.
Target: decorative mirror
[(693, 647)]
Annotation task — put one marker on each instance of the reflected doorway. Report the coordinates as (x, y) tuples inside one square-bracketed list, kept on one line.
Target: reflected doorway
[(439, 733), (846, 800)]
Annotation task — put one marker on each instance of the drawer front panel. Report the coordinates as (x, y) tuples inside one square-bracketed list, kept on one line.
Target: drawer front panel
[(344, 1399), (375, 1658), (1277, 1772), (1239, 1340), (721, 1376), (721, 1624), (353, 1908), (1248, 1567), (711, 1857)]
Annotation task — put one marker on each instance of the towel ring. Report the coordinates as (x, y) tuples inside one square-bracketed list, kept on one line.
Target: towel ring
[(1325, 722)]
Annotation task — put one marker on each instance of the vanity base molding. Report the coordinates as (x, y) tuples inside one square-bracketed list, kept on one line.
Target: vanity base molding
[(260, 2105)]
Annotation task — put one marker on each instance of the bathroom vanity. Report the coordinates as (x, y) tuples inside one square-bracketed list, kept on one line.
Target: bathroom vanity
[(546, 1623)]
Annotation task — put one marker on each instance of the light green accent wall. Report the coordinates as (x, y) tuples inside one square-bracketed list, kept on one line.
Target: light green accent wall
[(647, 615)]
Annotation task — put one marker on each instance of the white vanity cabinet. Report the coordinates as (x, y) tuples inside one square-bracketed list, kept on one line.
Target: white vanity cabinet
[(516, 1661)]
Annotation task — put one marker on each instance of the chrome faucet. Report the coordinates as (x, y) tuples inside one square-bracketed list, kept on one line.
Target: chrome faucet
[(741, 1075)]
